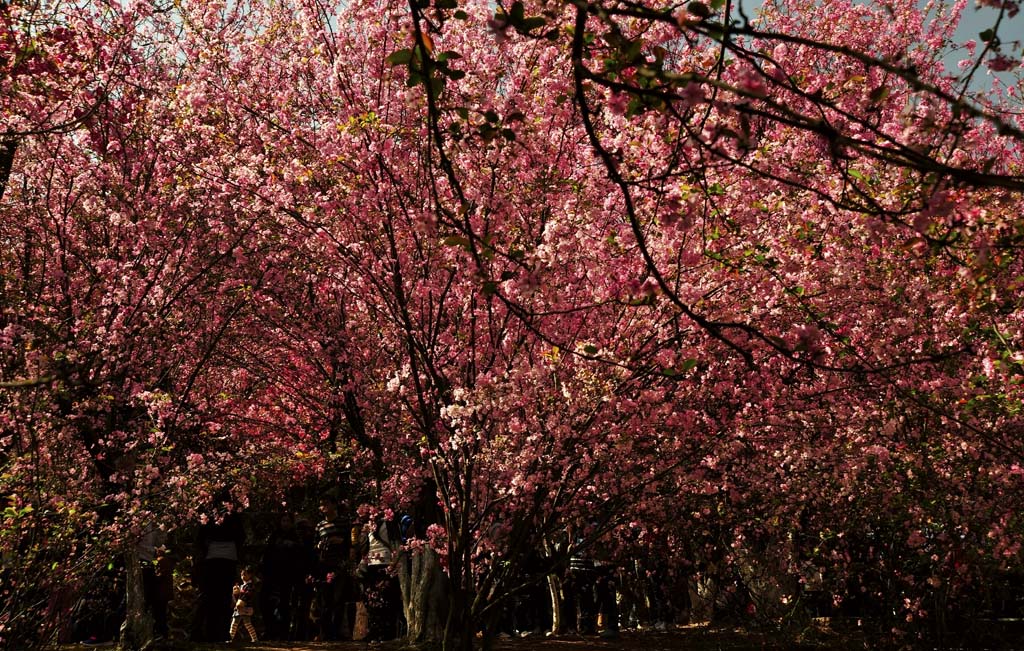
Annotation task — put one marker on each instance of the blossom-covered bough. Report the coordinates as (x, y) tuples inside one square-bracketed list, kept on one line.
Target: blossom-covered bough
[(819, 204), (740, 291)]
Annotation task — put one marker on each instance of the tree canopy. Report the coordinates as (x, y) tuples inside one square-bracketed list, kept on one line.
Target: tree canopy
[(739, 286)]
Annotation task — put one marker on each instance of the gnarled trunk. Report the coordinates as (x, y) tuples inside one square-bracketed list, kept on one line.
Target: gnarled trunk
[(555, 592), (137, 628), (423, 596)]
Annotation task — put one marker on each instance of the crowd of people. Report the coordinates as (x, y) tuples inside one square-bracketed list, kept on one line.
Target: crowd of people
[(335, 580), (332, 577), (323, 581)]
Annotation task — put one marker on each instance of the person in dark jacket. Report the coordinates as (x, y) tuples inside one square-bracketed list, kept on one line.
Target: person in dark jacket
[(215, 566), (283, 571), (302, 605), (333, 545)]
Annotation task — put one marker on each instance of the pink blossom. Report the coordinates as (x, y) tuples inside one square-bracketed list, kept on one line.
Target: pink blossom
[(753, 83), (1012, 7), (1001, 63), (618, 103), (693, 94), (880, 453), (499, 26)]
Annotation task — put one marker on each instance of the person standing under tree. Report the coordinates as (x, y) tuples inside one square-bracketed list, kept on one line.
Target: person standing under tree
[(243, 594), (284, 567), (157, 582), (333, 542), (379, 587), (217, 554)]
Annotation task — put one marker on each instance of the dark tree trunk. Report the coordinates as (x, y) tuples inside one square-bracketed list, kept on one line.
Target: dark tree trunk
[(459, 630), (8, 146), (137, 629)]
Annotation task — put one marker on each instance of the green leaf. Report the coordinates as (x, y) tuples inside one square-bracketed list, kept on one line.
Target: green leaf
[(698, 9), (436, 86), (456, 240), (460, 15), (399, 57), (517, 13), (879, 94), (590, 349), (632, 51), (448, 55), (857, 174), (489, 288), (688, 365), (636, 106), (532, 23)]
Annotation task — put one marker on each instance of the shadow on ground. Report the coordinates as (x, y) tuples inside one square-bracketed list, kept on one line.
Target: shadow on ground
[(688, 638)]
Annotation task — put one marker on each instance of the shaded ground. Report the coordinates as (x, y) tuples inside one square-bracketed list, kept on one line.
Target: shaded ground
[(987, 635), (689, 638)]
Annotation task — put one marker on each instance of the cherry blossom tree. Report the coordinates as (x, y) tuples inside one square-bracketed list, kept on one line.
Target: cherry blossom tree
[(607, 266), (124, 282), (731, 141)]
